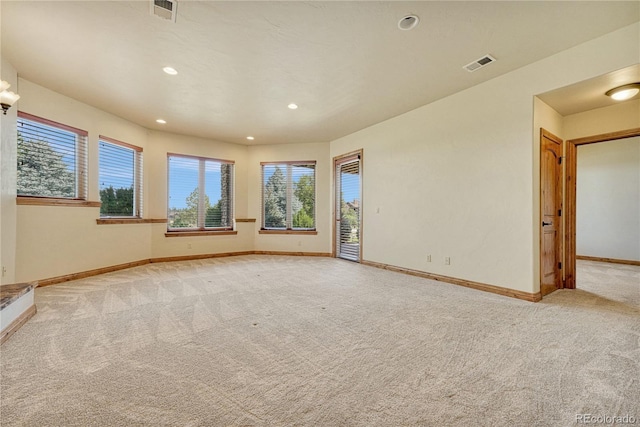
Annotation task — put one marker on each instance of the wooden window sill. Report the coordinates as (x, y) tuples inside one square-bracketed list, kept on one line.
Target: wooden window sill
[(245, 220), (199, 233), (51, 201), (103, 221), (303, 232)]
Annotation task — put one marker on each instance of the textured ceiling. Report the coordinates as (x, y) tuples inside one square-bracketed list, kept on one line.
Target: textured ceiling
[(346, 64)]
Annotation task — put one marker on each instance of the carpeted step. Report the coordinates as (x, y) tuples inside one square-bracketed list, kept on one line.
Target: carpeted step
[(16, 307)]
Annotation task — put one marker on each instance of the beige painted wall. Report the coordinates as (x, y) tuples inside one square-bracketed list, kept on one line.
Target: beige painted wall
[(8, 181), (625, 115), (608, 200), (455, 178), (546, 117), (162, 143), (54, 241), (275, 153)]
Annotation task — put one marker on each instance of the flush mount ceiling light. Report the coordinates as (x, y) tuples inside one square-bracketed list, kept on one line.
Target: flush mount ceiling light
[(170, 70), (292, 106), (409, 22), (622, 93), (250, 138), (161, 121), (7, 99)]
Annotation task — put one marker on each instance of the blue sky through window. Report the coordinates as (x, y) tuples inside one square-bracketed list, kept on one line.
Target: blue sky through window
[(351, 191), (183, 177)]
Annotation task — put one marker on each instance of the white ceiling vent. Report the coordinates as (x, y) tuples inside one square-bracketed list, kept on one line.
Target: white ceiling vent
[(479, 63), (164, 9)]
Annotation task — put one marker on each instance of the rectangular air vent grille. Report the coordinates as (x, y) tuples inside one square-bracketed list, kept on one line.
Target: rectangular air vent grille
[(164, 9), (479, 63)]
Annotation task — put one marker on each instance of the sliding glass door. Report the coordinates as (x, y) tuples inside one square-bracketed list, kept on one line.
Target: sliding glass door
[(348, 184)]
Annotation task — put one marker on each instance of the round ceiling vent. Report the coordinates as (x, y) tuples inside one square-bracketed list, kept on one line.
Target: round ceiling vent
[(409, 22)]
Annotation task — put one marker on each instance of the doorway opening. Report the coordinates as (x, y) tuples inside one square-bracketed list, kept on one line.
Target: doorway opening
[(571, 197)]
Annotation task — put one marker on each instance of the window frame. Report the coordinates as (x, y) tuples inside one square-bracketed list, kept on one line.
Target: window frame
[(289, 194), (81, 167), (202, 230), (137, 177)]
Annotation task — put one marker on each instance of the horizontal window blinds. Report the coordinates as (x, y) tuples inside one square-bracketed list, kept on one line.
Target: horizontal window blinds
[(348, 198), (218, 184), (120, 179), (288, 196), (274, 196), (183, 192), (51, 158), (200, 193)]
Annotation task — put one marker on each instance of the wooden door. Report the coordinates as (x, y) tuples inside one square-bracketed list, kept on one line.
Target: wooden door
[(550, 212)]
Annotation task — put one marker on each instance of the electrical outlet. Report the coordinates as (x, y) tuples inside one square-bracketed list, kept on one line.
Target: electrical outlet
[(188, 245), (299, 243), (447, 260), (428, 258), (4, 271)]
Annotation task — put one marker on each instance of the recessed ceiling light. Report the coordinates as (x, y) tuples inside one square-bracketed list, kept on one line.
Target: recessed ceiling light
[(169, 70), (250, 138), (622, 93), (161, 121), (292, 106), (409, 22)]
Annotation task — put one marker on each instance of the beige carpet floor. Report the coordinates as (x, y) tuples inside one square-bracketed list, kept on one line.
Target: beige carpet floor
[(297, 341)]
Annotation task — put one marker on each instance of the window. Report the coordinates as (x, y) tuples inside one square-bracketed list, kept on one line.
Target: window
[(120, 178), (52, 159), (200, 193), (289, 196)]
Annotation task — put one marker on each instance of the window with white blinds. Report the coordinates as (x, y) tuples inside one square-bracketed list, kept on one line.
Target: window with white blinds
[(52, 159), (289, 196), (120, 178), (200, 193)]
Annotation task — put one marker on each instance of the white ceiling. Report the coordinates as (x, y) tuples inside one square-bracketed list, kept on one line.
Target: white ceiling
[(346, 64)]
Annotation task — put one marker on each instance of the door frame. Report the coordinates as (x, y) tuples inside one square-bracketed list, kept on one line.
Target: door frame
[(338, 159), (559, 250), (570, 188)]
